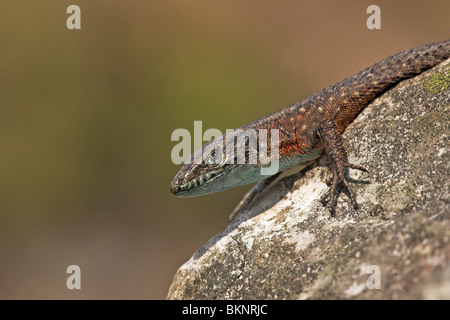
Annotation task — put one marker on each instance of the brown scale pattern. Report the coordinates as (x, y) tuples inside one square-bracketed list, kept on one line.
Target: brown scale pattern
[(317, 122)]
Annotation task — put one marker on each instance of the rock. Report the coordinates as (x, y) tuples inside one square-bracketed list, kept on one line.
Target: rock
[(289, 247)]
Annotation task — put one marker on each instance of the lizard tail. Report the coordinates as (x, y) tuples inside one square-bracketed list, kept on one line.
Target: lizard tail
[(403, 65), (411, 62)]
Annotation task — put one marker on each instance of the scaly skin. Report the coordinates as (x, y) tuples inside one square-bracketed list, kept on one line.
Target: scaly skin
[(308, 128)]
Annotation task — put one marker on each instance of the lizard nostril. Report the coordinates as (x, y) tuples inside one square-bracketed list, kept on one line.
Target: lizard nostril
[(194, 169), (174, 188)]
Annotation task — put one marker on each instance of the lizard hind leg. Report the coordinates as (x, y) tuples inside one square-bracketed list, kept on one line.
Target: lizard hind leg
[(331, 139)]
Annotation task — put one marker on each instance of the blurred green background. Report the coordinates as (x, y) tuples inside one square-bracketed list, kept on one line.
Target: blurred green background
[(87, 116)]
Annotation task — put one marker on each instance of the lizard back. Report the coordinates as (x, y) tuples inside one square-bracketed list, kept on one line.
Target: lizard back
[(344, 100)]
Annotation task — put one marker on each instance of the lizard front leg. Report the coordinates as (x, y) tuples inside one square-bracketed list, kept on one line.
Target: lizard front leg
[(331, 139), (250, 195)]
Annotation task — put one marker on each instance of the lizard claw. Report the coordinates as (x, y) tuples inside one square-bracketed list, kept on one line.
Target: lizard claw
[(242, 205), (339, 176), (355, 166)]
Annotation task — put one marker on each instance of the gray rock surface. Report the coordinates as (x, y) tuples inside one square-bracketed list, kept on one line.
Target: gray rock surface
[(289, 247)]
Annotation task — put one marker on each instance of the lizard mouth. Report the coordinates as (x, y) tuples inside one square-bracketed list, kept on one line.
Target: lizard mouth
[(180, 186)]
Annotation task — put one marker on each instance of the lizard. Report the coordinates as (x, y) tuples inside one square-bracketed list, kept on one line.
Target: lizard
[(306, 129)]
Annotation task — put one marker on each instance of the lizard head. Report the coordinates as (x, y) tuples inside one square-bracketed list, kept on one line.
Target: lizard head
[(215, 167)]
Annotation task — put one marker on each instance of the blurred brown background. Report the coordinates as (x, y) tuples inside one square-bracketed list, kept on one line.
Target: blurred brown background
[(87, 115)]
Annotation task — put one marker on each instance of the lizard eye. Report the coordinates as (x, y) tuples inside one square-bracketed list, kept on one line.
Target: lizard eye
[(213, 159)]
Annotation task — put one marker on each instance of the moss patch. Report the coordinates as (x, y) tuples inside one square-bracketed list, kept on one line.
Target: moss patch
[(437, 82)]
